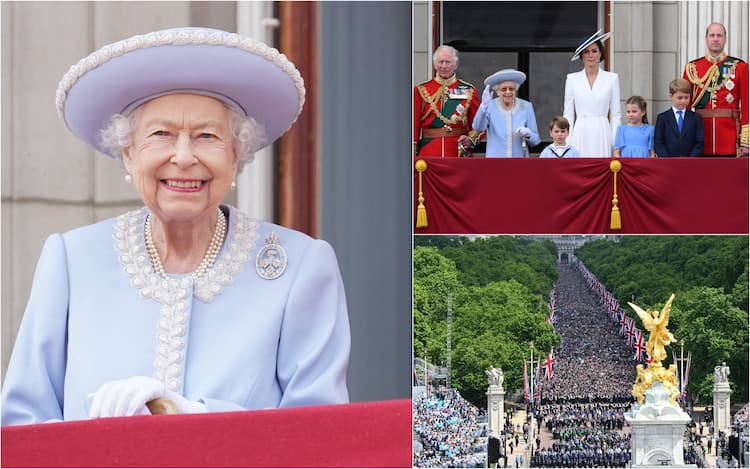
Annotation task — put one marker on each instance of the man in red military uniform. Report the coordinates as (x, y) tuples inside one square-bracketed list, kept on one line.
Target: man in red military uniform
[(720, 96), (444, 109)]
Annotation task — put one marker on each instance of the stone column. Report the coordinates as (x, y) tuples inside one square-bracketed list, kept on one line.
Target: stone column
[(722, 391), (495, 401)]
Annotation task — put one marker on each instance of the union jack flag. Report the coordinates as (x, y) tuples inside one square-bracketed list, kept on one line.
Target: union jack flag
[(640, 348), (631, 331), (547, 364), (636, 334)]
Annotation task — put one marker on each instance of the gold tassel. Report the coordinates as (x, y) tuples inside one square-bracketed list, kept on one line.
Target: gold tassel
[(421, 210), (614, 218)]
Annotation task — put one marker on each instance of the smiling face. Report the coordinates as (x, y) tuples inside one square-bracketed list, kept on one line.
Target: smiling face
[(181, 158), (506, 90)]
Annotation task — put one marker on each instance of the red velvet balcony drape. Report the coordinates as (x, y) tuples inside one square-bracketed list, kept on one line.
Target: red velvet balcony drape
[(567, 196), (369, 434)]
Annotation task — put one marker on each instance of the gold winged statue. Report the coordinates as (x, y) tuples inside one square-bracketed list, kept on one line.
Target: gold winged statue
[(656, 322)]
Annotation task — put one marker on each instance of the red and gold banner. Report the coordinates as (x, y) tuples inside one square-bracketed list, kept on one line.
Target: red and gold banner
[(567, 196)]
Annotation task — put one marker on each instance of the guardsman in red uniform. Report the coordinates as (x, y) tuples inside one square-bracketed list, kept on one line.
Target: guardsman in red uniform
[(444, 109), (720, 96)]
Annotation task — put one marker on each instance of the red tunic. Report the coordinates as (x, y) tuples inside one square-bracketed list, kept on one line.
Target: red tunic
[(442, 113), (721, 87)]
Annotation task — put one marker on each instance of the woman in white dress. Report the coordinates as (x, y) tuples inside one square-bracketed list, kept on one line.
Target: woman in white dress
[(591, 95)]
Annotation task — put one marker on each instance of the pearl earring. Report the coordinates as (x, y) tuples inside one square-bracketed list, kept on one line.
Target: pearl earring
[(128, 178), (233, 186)]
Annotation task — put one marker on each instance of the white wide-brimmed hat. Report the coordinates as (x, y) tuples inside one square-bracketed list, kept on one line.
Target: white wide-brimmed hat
[(597, 36), (248, 76), (507, 74)]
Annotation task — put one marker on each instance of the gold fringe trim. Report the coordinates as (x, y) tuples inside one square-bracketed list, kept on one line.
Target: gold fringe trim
[(614, 219), (421, 166)]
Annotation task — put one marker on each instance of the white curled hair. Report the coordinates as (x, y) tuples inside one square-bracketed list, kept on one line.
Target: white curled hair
[(248, 136)]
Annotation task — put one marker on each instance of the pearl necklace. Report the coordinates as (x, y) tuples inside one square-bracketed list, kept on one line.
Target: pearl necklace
[(208, 260)]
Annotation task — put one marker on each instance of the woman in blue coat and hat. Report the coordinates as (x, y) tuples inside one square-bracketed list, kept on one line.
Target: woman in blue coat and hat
[(186, 299), (509, 121)]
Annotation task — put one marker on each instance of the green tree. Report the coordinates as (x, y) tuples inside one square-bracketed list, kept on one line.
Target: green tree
[(499, 288), (715, 331), (435, 279)]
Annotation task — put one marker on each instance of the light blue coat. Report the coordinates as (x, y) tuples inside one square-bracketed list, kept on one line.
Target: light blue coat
[(232, 339), (501, 126)]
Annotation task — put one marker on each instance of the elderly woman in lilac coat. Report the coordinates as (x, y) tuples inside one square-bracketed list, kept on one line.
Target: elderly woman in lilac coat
[(509, 121), (186, 300)]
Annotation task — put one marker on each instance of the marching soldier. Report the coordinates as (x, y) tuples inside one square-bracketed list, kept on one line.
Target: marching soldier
[(720, 96), (444, 109)]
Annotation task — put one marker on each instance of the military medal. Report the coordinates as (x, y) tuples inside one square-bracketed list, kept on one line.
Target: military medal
[(730, 98), (460, 92), (729, 85), (271, 260)]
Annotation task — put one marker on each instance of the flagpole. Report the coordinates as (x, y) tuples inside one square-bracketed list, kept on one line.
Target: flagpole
[(426, 378), (687, 372), (683, 391), (531, 422), (531, 377)]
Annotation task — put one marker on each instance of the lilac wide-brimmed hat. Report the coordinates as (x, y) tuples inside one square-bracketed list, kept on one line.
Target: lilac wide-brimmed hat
[(507, 74), (248, 76), (597, 36)]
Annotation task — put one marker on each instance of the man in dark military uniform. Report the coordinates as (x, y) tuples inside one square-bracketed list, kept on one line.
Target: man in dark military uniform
[(720, 96), (444, 109)]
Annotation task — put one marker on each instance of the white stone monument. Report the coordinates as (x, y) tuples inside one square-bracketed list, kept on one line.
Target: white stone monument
[(495, 400), (656, 429), (722, 391)]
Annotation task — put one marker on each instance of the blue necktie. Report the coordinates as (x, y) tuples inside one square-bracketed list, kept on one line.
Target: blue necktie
[(680, 120)]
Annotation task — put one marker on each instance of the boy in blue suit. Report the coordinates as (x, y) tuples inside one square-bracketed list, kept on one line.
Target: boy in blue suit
[(679, 131)]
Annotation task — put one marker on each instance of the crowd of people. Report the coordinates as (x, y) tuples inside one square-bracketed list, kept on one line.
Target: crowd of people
[(583, 404), (741, 417), (595, 448), (448, 430), (593, 363), (562, 418)]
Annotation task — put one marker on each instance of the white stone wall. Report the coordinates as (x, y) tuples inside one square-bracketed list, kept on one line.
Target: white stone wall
[(421, 40)]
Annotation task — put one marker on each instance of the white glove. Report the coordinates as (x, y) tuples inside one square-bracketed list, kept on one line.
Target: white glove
[(486, 96), (129, 396), (523, 131)]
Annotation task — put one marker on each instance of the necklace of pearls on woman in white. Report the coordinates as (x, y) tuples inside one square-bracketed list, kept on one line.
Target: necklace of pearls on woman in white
[(208, 259)]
